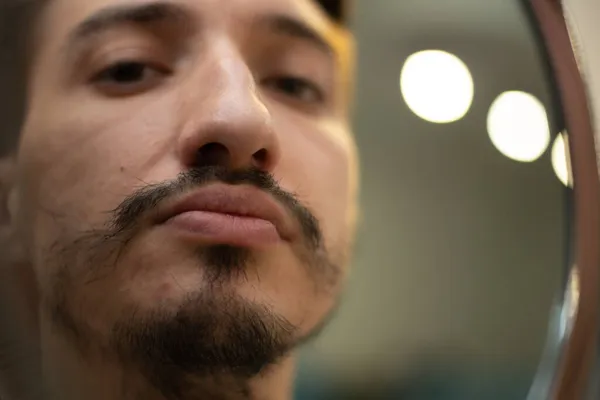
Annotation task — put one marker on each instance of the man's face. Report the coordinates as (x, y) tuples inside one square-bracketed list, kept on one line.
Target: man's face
[(187, 179)]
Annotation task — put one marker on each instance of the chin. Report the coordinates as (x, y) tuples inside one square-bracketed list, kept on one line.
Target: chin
[(149, 274), (203, 308)]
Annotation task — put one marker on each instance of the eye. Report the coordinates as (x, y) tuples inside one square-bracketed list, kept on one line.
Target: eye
[(297, 88), (128, 77)]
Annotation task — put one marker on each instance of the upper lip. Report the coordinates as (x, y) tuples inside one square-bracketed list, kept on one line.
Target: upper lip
[(239, 200)]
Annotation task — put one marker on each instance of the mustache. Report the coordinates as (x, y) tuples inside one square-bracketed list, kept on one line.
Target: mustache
[(146, 199)]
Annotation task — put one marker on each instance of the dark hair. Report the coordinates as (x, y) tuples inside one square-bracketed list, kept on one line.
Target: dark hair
[(15, 33), (336, 9)]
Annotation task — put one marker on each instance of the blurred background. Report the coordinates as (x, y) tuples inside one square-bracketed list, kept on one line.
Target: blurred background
[(463, 249)]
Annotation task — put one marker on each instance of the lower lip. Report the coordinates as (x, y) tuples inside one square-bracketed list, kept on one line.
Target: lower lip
[(228, 229)]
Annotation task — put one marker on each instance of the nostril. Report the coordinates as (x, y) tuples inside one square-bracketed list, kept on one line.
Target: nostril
[(260, 158), (213, 154)]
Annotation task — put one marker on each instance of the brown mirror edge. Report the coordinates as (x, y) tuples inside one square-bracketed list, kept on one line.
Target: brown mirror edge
[(579, 351)]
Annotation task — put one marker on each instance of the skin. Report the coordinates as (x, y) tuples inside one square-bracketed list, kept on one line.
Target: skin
[(210, 91)]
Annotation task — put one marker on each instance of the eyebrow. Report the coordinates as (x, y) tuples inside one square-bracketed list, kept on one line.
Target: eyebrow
[(143, 14), (156, 12), (290, 26)]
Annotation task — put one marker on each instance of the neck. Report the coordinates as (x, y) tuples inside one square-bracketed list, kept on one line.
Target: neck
[(69, 376)]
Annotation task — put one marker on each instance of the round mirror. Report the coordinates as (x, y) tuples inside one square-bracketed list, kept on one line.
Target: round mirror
[(295, 199)]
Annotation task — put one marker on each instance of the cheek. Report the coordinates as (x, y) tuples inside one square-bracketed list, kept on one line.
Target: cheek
[(79, 164), (319, 165)]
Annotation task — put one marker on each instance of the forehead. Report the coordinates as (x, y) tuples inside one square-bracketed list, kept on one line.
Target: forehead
[(60, 17)]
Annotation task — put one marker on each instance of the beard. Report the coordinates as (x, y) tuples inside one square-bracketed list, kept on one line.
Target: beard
[(211, 337), (214, 334)]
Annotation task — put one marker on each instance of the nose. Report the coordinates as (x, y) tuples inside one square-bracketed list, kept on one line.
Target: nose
[(227, 123)]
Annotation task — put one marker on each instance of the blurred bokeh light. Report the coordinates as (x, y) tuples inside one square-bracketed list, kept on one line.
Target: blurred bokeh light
[(560, 160), (437, 86), (518, 126)]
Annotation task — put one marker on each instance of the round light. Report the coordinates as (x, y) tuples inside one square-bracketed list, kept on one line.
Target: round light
[(437, 86), (560, 160), (518, 126)]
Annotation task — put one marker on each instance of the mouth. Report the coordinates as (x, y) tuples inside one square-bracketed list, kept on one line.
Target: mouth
[(239, 215)]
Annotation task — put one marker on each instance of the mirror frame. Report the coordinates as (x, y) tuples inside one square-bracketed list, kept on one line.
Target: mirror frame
[(577, 352)]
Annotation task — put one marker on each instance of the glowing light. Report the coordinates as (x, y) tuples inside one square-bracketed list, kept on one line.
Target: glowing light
[(561, 160), (437, 86), (518, 126)]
